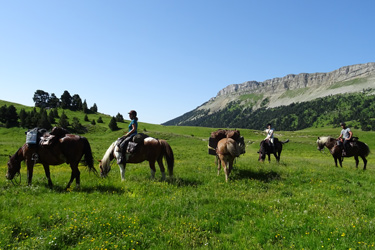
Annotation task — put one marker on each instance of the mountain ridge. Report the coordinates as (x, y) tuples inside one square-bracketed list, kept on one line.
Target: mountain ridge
[(283, 91)]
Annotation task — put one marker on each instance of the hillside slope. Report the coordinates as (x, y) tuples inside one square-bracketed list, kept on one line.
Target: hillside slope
[(251, 96)]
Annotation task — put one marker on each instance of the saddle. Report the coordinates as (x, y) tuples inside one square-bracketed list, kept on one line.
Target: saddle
[(134, 144), (53, 137)]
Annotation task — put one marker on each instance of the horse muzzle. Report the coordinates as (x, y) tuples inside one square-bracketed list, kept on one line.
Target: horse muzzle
[(10, 176)]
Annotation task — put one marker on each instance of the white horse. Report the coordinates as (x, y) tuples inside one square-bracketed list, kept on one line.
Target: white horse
[(152, 150)]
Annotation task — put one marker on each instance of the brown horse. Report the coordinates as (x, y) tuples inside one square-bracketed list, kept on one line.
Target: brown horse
[(358, 149), (227, 150), (152, 150), (266, 149), (69, 149)]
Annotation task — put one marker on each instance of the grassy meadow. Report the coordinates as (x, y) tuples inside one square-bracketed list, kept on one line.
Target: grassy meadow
[(304, 202)]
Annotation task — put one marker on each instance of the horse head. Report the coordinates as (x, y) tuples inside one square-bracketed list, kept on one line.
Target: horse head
[(325, 141), (262, 151), (105, 163), (14, 165), (241, 144)]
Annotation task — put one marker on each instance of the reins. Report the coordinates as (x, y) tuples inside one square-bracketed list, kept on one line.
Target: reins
[(15, 176)]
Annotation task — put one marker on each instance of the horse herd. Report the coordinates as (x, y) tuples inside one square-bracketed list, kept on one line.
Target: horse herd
[(226, 145)]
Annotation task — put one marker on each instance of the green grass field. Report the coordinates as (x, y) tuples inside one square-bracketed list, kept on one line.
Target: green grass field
[(304, 202)]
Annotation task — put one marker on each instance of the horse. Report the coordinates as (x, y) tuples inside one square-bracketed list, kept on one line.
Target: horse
[(69, 149), (152, 150), (227, 150), (360, 149), (266, 149)]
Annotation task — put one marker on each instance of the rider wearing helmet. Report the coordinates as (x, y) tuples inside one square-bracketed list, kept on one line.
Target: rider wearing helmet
[(345, 136), (132, 131)]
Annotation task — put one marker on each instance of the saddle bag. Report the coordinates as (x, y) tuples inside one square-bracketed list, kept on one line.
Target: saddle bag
[(212, 143), (33, 135)]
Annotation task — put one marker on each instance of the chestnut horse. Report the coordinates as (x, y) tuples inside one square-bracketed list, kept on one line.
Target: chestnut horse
[(227, 150), (266, 149), (152, 150), (358, 149), (69, 149)]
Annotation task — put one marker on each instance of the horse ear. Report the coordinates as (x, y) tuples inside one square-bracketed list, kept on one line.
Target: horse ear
[(99, 160), (10, 156), (318, 138)]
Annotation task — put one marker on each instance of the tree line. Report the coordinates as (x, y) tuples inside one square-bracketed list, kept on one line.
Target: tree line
[(43, 99), (45, 113)]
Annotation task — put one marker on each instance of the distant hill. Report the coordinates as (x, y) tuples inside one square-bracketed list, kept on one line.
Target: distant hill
[(237, 105)]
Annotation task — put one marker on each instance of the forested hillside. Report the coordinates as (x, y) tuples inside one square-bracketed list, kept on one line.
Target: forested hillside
[(358, 109)]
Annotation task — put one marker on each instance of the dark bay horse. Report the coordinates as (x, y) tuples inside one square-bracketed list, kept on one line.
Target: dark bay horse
[(358, 149), (266, 149), (153, 150), (227, 150), (69, 149)]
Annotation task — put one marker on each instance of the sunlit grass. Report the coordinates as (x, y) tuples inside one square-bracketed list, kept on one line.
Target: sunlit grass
[(304, 202)]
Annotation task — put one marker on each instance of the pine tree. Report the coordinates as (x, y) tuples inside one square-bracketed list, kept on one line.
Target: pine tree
[(51, 117), (94, 108), (23, 118), (43, 121), (119, 117), (63, 122), (113, 124), (84, 107)]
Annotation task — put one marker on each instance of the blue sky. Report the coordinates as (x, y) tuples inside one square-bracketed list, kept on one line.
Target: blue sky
[(165, 58)]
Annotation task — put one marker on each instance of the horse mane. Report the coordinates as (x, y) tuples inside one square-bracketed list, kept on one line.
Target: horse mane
[(322, 140), (325, 139), (107, 156)]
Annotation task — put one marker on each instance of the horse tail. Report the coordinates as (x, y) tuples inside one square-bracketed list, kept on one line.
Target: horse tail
[(89, 159), (283, 142), (167, 153), (233, 148), (364, 148)]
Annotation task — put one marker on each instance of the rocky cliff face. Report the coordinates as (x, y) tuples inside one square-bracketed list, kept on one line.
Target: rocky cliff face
[(303, 80), (284, 91)]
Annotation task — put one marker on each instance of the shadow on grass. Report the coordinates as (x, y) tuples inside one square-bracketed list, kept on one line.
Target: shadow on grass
[(180, 182), (88, 189), (264, 176)]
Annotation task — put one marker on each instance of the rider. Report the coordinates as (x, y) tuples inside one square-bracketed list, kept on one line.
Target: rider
[(269, 136), (345, 136), (132, 131)]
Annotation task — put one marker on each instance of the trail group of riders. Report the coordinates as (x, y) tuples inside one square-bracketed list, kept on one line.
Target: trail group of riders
[(133, 147)]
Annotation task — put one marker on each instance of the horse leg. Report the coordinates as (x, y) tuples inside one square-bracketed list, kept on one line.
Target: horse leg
[(153, 169), (75, 174), (364, 162), (356, 161), (122, 167), (277, 157), (162, 169), (46, 170), (30, 168), (340, 161), (226, 171), (269, 158), (220, 162), (229, 170)]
